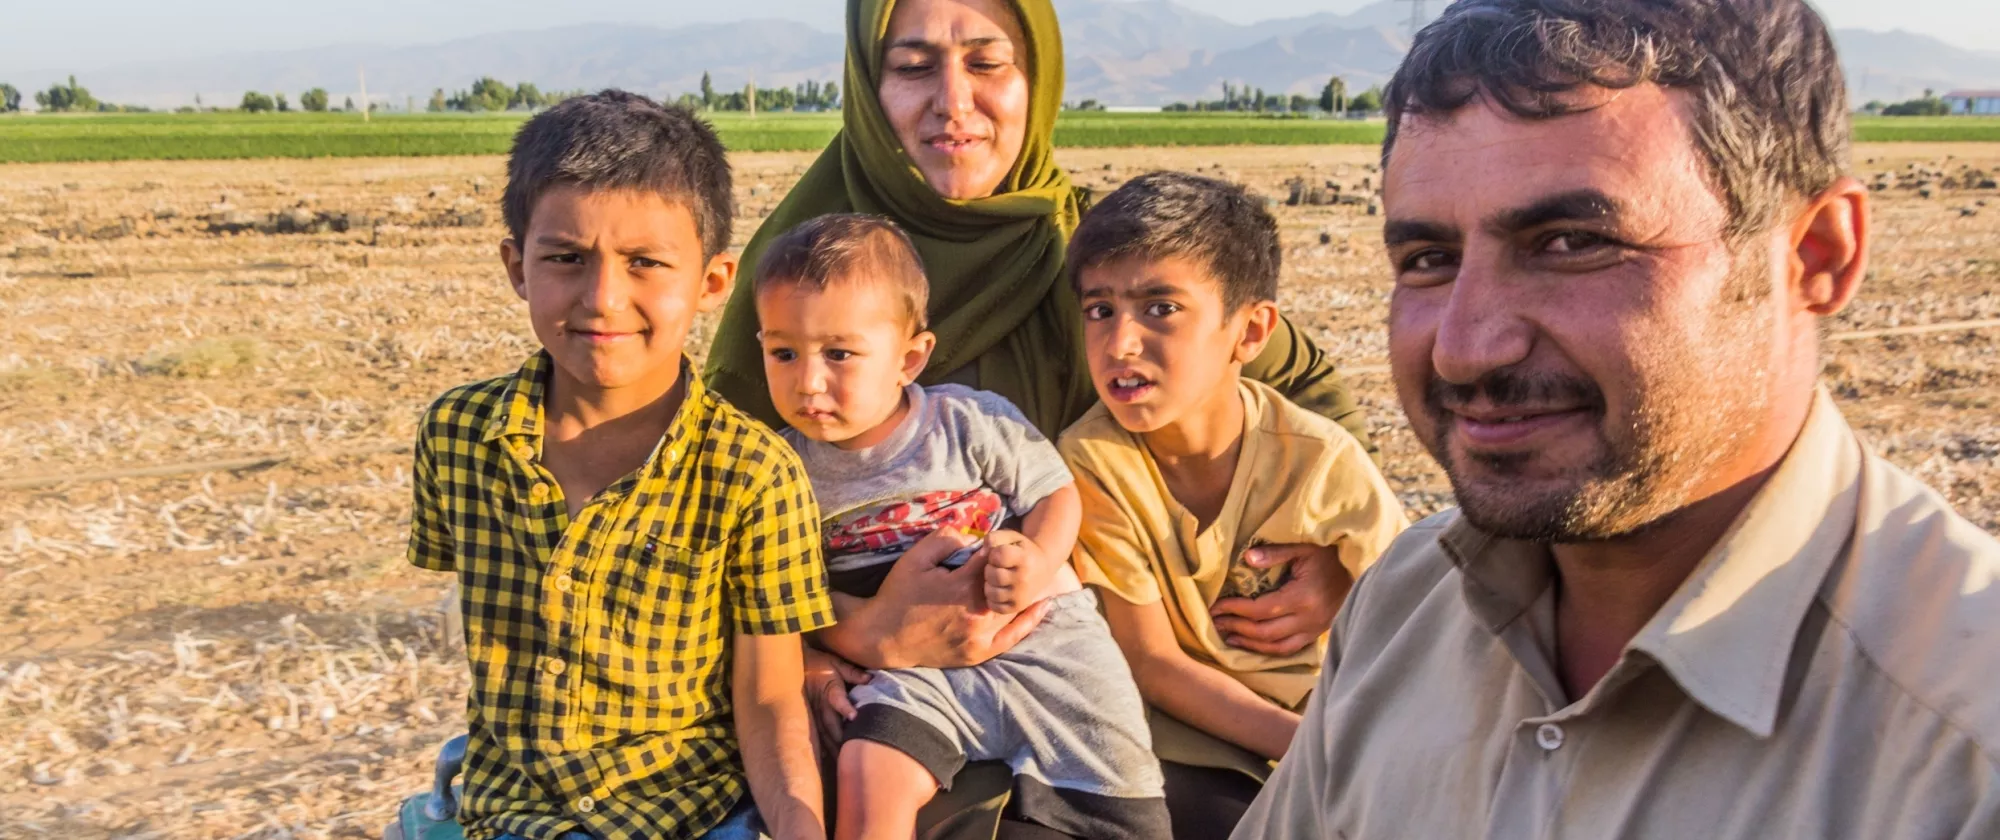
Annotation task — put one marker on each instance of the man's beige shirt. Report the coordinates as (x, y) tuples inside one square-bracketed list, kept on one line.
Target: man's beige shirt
[(1831, 670)]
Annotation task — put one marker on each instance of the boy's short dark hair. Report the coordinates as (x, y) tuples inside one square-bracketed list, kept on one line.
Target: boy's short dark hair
[(1175, 214), (616, 140), (842, 247)]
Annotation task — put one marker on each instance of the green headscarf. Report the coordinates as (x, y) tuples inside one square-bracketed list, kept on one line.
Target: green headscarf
[(998, 296)]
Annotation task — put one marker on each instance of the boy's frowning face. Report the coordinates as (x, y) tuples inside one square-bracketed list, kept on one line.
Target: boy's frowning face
[(837, 358), (1161, 343), (613, 279)]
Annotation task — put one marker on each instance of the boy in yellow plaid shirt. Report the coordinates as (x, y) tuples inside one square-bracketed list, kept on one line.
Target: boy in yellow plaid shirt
[(637, 559)]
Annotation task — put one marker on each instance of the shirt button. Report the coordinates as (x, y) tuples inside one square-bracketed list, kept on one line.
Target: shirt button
[(1549, 737), (565, 584), (586, 804), (552, 665), (538, 493)]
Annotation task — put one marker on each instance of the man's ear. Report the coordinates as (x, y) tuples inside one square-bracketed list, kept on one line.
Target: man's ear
[(1260, 321), (512, 257), (717, 282), (917, 355), (1829, 248)]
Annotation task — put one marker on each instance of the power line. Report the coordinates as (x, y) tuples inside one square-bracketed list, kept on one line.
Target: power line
[(1416, 17)]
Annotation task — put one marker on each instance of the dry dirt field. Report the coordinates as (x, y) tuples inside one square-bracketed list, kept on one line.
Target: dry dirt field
[(241, 652)]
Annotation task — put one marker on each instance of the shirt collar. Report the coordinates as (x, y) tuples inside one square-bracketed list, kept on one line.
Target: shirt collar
[(1726, 635), (522, 402)]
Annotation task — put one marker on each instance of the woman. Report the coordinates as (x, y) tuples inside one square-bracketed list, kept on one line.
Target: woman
[(948, 129)]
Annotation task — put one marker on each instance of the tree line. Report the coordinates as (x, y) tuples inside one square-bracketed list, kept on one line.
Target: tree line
[(1332, 99), (66, 97), (485, 94), (1929, 105)]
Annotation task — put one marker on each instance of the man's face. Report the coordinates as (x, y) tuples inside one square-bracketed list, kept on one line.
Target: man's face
[(1571, 334), (613, 279)]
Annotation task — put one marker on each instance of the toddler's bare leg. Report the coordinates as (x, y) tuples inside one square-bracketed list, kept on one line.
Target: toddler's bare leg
[(881, 789)]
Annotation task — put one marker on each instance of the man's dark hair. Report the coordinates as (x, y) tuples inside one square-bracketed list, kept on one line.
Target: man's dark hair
[(616, 140), (849, 248), (1769, 105), (1175, 214)]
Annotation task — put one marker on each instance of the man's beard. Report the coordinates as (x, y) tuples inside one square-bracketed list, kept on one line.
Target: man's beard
[(1616, 494), (1649, 465)]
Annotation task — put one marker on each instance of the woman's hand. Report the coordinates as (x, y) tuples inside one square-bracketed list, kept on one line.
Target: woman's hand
[(1286, 621), (827, 680), (926, 615)]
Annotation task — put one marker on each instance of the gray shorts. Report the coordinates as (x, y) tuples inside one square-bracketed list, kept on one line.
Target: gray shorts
[(1060, 708)]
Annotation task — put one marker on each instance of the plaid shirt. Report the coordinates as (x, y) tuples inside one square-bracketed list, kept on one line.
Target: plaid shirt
[(600, 646)]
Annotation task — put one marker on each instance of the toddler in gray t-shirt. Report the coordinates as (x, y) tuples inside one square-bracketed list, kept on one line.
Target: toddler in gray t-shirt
[(840, 303)]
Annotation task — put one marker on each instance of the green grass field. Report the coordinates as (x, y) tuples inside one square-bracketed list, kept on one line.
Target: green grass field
[(28, 138), (65, 137)]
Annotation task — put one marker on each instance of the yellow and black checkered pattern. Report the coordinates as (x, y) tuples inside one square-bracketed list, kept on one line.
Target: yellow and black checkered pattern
[(600, 646)]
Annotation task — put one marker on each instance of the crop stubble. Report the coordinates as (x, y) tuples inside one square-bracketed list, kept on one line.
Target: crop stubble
[(244, 654)]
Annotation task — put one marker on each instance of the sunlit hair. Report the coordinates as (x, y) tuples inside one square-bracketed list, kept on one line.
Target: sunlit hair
[(616, 140), (1175, 214), (1768, 101), (849, 248)]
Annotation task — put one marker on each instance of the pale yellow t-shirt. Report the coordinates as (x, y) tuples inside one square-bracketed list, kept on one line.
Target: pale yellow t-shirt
[(1300, 478)]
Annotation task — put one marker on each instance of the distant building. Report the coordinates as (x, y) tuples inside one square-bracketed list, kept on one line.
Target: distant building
[(1985, 102)]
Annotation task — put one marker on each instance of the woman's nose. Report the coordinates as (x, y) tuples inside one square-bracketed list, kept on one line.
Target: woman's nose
[(954, 91)]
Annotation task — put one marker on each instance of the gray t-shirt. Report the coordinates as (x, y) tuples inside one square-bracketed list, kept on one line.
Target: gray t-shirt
[(961, 458)]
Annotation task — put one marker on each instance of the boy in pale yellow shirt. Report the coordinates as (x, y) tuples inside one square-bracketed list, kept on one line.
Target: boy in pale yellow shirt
[(1185, 464)]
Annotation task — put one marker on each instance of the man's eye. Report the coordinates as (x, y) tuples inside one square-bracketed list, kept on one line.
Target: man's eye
[(1573, 241), (1096, 312), (1161, 309), (1429, 259), (645, 262), (783, 354), (839, 355), (565, 259)]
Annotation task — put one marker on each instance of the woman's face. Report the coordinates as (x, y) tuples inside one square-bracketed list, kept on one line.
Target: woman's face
[(954, 89)]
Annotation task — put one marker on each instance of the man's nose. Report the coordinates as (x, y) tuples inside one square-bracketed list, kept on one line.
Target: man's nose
[(1483, 327)]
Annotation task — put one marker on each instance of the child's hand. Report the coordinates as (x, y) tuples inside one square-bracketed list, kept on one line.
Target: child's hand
[(1016, 571)]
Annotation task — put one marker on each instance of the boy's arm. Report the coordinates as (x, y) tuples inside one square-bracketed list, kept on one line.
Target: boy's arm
[(1021, 569), (1190, 691), (776, 734), (430, 540)]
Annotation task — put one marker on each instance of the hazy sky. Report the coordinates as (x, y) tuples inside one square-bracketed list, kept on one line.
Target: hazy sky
[(87, 34)]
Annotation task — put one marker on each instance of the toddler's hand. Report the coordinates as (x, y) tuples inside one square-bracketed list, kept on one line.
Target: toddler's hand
[(1016, 571)]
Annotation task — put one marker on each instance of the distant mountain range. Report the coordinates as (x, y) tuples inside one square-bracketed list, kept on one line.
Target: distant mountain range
[(1147, 52)]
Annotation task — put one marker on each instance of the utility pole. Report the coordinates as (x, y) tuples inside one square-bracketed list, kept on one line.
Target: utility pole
[(753, 95), (363, 73), (1416, 17)]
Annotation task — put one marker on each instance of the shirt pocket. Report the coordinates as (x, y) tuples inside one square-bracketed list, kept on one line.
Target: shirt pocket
[(666, 617)]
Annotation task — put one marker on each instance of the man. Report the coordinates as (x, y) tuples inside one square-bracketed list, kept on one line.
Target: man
[(1678, 599)]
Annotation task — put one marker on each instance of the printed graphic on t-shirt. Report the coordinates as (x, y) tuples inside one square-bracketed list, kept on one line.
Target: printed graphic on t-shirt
[(885, 531)]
